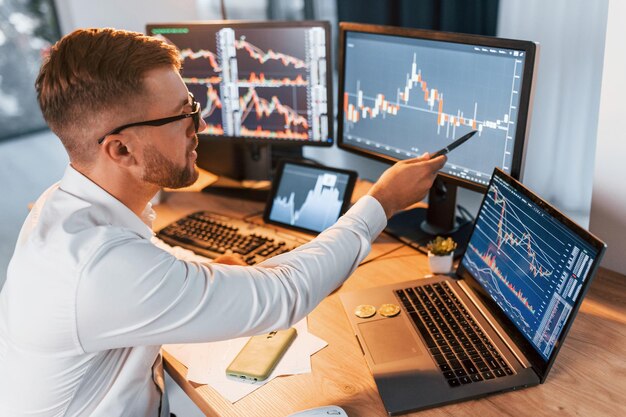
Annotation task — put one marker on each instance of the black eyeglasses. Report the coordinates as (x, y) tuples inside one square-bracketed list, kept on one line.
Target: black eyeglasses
[(195, 116)]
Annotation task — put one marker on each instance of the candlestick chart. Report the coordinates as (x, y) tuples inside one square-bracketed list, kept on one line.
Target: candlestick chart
[(405, 97)]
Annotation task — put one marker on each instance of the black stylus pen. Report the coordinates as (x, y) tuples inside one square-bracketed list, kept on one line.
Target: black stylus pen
[(453, 145)]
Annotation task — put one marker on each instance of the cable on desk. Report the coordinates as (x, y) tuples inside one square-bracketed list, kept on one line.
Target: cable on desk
[(467, 216)]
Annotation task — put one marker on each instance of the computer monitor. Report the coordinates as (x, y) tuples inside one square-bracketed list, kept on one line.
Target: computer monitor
[(403, 92), (259, 83)]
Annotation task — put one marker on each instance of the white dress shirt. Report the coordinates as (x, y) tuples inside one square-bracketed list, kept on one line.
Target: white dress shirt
[(91, 295)]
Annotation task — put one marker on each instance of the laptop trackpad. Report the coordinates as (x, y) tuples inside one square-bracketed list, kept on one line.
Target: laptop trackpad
[(389, 340)]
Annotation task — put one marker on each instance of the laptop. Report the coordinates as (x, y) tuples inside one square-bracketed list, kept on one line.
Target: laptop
[(497, 324)]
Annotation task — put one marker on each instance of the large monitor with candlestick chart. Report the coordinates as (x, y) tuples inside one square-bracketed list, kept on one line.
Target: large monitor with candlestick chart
[(259, 83), (403, 92)]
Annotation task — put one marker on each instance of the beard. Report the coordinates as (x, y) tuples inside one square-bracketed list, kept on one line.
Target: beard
[(164, 172)]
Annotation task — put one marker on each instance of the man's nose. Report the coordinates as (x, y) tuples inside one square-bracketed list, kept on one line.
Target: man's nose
[(202, 125)]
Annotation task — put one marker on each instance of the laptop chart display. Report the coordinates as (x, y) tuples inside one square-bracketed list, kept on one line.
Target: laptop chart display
[(531, 264)]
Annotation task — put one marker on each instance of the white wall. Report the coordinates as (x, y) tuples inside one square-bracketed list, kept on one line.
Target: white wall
[(608, 208), (28, 166), (123, 14), (561, 143)]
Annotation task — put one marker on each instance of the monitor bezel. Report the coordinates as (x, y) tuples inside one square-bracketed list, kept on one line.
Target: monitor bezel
[(529, 48), (252, 24), (539, 364)]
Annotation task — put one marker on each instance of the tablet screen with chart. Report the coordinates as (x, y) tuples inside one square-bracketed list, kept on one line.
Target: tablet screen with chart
[(309, 198)]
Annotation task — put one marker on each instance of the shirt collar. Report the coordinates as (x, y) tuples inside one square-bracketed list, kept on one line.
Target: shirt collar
[(114, 212)]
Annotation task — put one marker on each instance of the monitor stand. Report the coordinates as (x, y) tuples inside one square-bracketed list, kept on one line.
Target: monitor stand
[(416, 227), (244, 170)]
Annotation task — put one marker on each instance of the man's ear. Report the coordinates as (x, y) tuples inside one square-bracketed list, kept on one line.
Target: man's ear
[(119, 151)]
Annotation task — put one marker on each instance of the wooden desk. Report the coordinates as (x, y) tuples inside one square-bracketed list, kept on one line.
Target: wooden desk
[(588, 378)]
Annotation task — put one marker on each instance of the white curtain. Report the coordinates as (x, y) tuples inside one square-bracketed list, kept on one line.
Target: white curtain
[(561, 146)]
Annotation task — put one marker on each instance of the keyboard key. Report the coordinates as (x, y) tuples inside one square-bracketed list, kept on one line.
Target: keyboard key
[(488, 375), (465, 380), (499, 373), (492, 363), (449, 374), (455, 364), (440, 359), (471, 368), (476, 377), (454, 382)]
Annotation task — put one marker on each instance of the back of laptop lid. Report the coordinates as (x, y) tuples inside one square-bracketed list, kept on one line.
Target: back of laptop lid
[(531, 266)]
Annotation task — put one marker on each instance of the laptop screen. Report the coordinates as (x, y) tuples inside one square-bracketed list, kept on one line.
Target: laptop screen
[(529, 261)]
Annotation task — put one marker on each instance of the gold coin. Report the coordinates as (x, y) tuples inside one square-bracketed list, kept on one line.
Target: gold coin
[(365, 311), (388, 310)]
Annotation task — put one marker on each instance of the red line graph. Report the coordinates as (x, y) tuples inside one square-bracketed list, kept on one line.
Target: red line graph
[(260, 80), (489, 260), (202, 81), (252, 50), (259, 132), (524, 241), (213, 102), (253, 79), (264, 108), (202, 53), (263, 56)]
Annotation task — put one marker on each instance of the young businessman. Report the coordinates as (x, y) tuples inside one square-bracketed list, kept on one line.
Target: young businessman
[(91, 294)]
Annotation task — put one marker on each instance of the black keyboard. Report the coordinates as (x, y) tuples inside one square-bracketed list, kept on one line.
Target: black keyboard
[(211, 235), (461, 349)]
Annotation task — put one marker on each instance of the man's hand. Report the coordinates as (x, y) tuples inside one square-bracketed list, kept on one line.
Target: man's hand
[(231, 259), (406, 182)]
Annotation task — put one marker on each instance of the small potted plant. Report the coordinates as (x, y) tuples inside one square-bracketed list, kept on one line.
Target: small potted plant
[(440, 254)]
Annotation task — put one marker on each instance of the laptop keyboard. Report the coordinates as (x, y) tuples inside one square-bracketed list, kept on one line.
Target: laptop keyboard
[(461, 349), (211, 235)]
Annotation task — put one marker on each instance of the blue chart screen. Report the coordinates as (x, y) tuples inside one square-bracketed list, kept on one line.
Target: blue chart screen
[(404, 97), (531, 264), (310, 198)]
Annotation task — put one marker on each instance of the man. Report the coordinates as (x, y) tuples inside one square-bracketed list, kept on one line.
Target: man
[(90, 294)]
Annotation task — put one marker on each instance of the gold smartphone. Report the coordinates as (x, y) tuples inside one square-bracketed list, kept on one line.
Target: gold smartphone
[(260, 355)]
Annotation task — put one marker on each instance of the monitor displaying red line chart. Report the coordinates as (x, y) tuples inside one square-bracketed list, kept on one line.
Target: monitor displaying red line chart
[(256, 81)]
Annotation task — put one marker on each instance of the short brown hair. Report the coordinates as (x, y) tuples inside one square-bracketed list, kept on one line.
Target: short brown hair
[(92, 74)]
